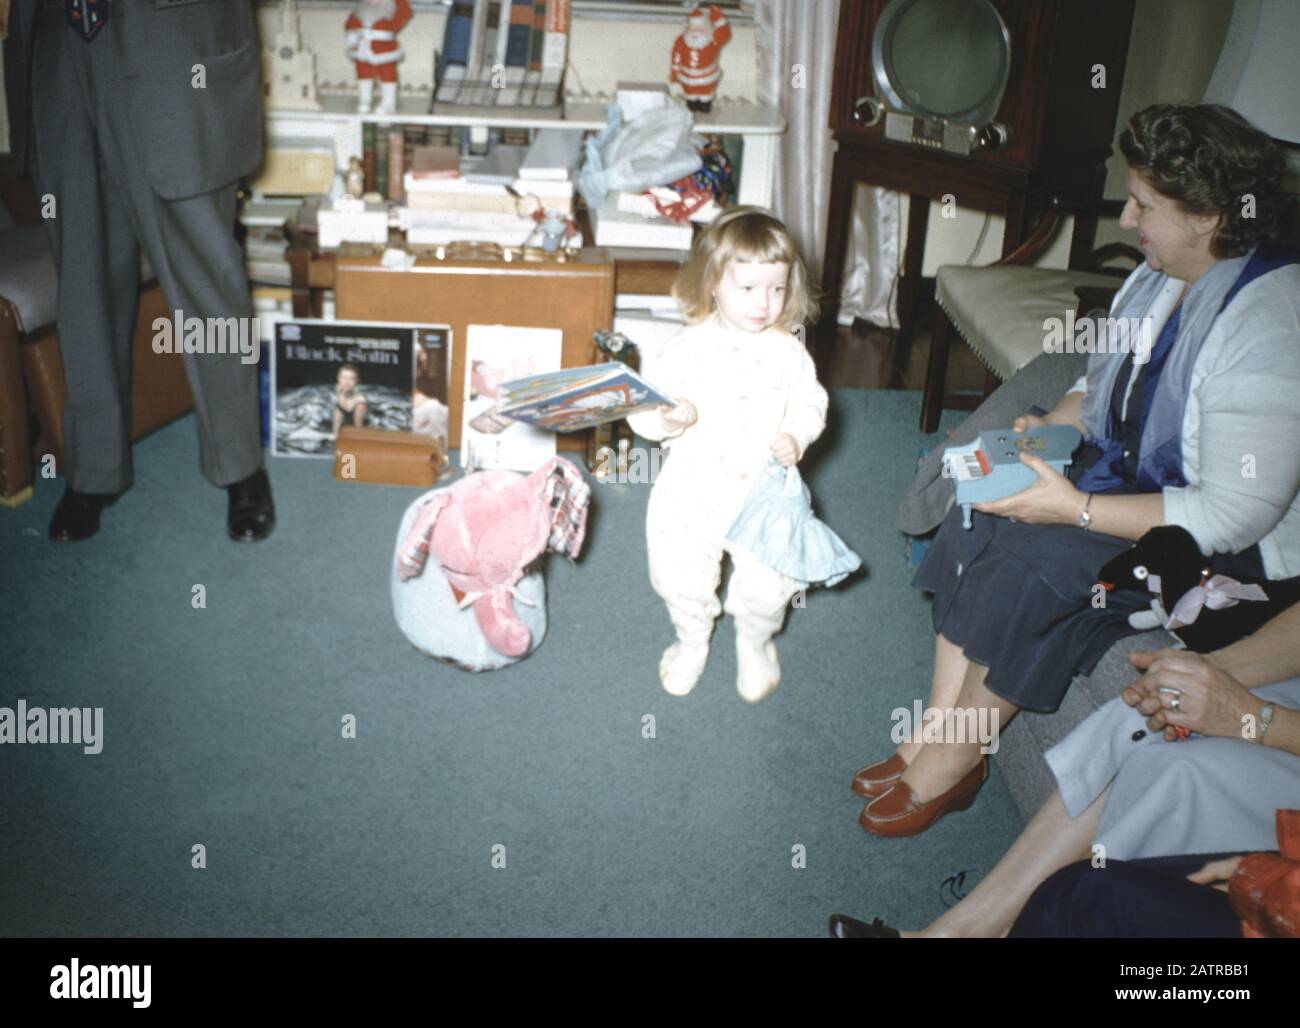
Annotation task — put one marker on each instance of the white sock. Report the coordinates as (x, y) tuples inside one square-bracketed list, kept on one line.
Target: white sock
[(681, 666), (758, 672)]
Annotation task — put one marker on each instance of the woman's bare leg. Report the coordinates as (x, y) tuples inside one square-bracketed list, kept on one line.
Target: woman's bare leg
[(950, 666), (938, 766), (1049, 842)]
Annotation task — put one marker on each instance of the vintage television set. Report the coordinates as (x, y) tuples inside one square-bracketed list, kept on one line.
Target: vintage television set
[(1025, 83), (1008, 104)]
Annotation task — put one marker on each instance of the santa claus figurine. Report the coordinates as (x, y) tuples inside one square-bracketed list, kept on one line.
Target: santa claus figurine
[(372, 29), (695, 56)]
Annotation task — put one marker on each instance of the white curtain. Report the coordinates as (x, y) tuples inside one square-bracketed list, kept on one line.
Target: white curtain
[(796, 42)]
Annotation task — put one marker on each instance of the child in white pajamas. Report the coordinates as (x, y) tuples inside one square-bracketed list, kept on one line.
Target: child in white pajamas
[(746, 392)]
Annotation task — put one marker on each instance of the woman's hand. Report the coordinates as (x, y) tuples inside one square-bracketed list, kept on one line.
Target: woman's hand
[(785, 449), (1027, 421), (1216, 873), (1052, 500), (1183, 689), (679, 417)]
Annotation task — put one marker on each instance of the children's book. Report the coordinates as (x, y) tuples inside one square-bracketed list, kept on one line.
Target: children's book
[(578, 398)]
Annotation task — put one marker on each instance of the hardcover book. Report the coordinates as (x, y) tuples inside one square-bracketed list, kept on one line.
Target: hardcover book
[(578, 398)]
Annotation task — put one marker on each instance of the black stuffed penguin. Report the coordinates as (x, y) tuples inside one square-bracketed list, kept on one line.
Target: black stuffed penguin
[(1206, 611)]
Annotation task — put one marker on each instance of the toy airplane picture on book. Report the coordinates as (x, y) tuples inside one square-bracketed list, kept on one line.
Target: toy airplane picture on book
[(578, 398), (990, 468)]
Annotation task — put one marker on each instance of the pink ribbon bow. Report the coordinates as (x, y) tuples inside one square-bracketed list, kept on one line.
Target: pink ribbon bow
[(1219, 592)]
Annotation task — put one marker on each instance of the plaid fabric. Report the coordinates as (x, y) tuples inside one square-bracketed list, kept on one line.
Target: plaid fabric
[(568, 495), (414, 550)]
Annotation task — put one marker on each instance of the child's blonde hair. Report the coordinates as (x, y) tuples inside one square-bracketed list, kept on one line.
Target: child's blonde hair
[(743, 234)]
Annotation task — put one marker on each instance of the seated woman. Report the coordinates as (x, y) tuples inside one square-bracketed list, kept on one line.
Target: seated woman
[(1198, 431), (1129, 791)]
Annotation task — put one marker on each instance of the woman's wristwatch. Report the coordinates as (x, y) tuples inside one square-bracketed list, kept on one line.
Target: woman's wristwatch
[(1085, 518), (1265, 719)]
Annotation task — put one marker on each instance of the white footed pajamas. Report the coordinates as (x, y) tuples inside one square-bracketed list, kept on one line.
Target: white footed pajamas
[(747, 389)]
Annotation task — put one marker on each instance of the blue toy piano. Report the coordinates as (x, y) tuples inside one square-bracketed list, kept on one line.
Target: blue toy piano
[(989, 468)]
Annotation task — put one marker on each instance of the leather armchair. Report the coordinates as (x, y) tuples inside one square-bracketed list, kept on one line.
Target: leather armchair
[(32, 390)]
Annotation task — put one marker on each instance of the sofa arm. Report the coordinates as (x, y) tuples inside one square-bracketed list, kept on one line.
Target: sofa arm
[(17, 195), (15, 439)]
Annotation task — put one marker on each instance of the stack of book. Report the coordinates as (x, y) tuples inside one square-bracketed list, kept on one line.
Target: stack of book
[(503, 53), (549, 168), (631, 219), (386, 153), (449, 198), (264, 255)]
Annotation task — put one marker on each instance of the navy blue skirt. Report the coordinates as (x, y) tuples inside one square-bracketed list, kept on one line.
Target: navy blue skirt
[(1018, 599)]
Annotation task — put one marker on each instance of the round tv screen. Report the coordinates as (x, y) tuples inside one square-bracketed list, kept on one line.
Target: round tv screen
[(946, 57)]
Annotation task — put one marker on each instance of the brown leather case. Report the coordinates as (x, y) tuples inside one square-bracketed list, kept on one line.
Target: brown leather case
[(388, 458), (576, 296)]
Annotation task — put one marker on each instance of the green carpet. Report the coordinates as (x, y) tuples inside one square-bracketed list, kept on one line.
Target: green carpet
[(222, 727)]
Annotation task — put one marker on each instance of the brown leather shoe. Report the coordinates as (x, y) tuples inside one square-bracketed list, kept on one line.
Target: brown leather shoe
[(899, 813), (878, 778)]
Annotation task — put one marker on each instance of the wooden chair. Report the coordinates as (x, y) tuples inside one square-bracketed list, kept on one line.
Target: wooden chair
[(1000, 310)]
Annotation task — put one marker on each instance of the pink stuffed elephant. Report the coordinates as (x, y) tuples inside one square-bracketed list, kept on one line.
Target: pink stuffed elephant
[(487, 528)]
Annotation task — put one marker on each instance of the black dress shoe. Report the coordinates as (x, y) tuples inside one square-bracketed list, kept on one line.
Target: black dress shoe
[(251, 514), (844, 927), (77, 515)]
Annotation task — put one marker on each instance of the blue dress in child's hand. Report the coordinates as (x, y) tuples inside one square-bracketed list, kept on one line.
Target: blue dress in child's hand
[(778, 528)]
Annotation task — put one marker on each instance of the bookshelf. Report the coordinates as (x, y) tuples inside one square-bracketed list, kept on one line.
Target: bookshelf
[(339, 126)]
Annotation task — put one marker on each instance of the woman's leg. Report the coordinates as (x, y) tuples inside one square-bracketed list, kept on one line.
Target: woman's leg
[(950, 666), (1049, 842), (938, 766)]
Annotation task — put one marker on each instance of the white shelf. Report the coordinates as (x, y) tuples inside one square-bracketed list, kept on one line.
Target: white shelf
[(339, 122), (738, 117)]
